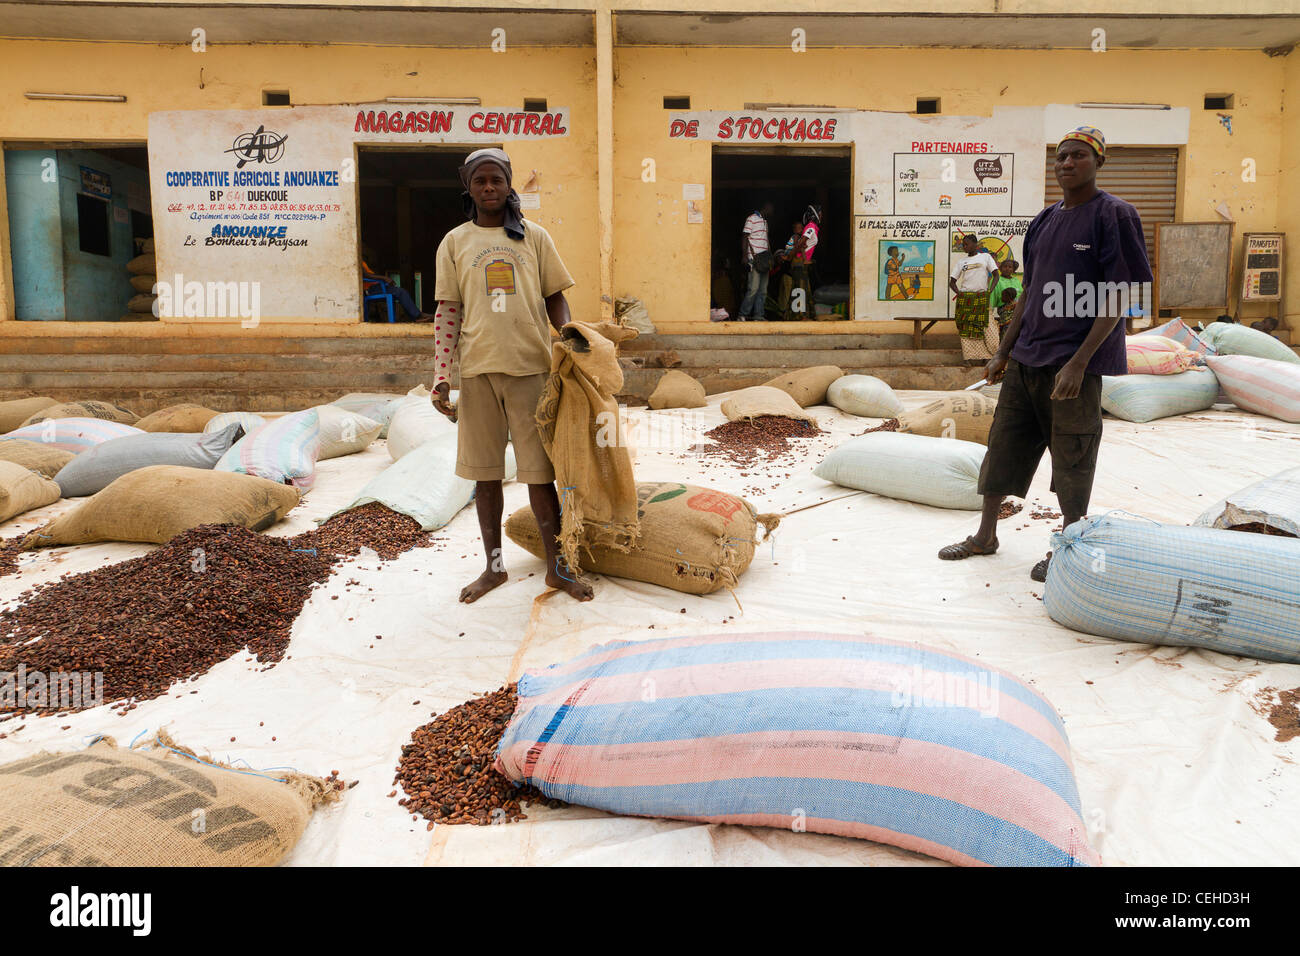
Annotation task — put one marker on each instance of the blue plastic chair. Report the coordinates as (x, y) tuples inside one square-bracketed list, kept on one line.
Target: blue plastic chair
[(378, 295)]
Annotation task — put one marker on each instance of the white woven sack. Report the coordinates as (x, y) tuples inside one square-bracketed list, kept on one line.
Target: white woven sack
[(943, 472), (1273, 501), (424, 484), (864, 395), (343, 432)]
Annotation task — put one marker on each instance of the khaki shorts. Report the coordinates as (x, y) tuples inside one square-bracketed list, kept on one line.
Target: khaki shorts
[(495, 408)]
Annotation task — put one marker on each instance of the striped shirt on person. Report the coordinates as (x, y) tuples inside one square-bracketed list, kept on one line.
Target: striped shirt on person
[(756, 231)]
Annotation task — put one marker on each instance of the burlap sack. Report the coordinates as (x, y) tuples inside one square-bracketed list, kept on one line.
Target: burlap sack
[(693, 539), (147, 246), (966, 416), (677, 390), (105, 806), (157, 503), (22, 490), (142, 302), (35, 456), (16, 411), (143, 283), (101, 410), (631, 311), (143, 265), (807, 386), (762, 400), (581, 430), (185, 417)]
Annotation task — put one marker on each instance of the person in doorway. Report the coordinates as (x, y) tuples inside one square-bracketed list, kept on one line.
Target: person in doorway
[(758, 260), (372, 283), (798, 304), (893, 277), (971, 278), (500, 291), (1055, 352)]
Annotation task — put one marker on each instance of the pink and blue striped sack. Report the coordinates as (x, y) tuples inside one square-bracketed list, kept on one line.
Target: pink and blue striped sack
[(283, 450), (1184, 335), (1260, 385), (845, 734), (73, 434)]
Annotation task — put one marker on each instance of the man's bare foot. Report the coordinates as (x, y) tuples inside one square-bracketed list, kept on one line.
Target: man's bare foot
[(575, 587), (481, 585)]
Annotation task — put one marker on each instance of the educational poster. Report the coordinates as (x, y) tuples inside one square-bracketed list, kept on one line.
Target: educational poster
[(907, 272), (1002, 238)]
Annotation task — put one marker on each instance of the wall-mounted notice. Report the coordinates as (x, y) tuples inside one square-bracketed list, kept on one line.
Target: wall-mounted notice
[(1261, 279)]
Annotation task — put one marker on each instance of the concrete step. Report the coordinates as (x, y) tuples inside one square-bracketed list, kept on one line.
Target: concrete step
[(143, 400), (797, 358), (639, 383), (211, 345), (337, 364), (791, 342)]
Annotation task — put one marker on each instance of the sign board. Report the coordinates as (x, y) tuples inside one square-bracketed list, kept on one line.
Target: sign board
[(1193, 260), (96, 183), (268, 198), (1264, 253)]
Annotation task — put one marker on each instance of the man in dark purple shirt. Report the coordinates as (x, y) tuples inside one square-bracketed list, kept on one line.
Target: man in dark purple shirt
[(1085, 265)]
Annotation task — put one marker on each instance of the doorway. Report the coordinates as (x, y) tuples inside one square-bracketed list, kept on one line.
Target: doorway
[(791, 178), (409, 199), (81, 231)]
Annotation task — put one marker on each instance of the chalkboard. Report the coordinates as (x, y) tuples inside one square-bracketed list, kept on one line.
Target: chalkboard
[(1193, 260)]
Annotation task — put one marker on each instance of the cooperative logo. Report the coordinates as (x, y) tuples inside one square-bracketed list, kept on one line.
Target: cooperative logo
[(258, 147), (945, 201)]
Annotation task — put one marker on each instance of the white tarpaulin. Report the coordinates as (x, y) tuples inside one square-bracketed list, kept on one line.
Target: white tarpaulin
[(1175, 766)]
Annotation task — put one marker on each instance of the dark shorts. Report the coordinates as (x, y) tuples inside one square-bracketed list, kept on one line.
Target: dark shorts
[(1028, 422)]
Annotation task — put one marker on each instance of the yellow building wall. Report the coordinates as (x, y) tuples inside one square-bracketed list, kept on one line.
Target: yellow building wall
[(1289, 189), (155, 78), (662, 259), (657, 254)]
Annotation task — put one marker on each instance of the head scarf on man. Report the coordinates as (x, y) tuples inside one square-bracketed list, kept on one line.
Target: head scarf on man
[(1089, 135), (812, 214), (514, 217)]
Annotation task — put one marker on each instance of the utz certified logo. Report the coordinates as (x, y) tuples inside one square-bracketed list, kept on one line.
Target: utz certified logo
[(988, 169)]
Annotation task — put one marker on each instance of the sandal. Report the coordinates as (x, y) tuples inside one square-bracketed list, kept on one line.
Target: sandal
[(965, 549), (1039, 571)]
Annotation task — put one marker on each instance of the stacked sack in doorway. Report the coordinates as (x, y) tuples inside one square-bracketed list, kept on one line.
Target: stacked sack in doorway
[(143, 270)]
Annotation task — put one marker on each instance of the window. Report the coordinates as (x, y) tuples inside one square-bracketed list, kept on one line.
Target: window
[(677, 102), (92, 224), (1218, 101), (927, 104), (534, 106), (275, 98)]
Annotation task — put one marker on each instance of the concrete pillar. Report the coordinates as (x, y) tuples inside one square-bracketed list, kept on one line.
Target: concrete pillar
[(605, 152)]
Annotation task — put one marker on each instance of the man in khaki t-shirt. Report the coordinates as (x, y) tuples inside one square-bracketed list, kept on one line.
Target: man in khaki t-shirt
[(500, 291)]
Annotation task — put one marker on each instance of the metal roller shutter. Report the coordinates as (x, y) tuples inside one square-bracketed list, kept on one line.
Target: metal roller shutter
[(1145, 176)]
